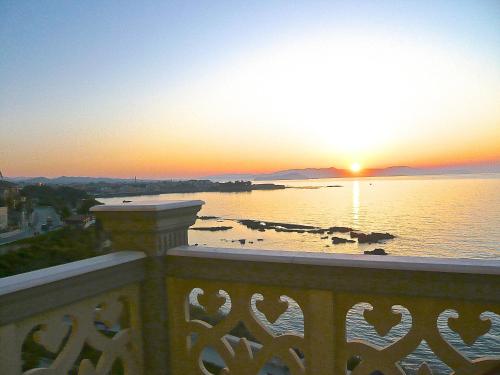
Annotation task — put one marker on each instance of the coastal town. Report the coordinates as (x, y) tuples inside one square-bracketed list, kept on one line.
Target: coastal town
[(31, 210), (33, 206), (29, 207)]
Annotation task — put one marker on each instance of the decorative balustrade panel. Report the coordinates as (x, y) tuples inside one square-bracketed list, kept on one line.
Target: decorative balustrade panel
[(60, 341), (428, 320), (232, 327), (237, 328)]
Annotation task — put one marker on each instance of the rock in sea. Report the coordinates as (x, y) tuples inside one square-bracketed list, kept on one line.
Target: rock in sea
[(212, 229), (376, 252), (374, 237), (337, 240)]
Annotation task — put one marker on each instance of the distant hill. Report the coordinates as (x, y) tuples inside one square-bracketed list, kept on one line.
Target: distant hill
[(302, 174), (66, 180), (315, 173), (288, 174)]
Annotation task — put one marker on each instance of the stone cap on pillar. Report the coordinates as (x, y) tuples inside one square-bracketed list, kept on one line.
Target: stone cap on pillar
[(150, 226), (146, 206)]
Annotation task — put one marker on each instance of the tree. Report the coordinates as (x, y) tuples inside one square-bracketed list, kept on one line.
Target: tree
[(65, 212), (86, 204)]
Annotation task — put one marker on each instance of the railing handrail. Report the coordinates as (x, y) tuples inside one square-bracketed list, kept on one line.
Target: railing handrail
[(33, 292), (27, 280), (14, 289), (405, 263), (471, 279), (148, 206)]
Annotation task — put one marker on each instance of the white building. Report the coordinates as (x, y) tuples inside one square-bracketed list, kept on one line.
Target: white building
[(3, 218)]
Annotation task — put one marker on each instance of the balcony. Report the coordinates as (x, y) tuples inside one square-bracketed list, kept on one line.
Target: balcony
[(160, 306)]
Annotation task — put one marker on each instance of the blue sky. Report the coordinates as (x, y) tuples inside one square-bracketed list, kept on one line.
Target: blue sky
[(40, 39)]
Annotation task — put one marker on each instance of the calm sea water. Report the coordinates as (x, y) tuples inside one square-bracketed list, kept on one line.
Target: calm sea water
[(445, 216), (438, 216)]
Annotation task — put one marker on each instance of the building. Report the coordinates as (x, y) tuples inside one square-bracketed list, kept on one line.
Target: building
[(4, 218), (8, 190)]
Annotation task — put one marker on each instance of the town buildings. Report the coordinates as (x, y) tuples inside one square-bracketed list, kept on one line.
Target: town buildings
[(4, 218)]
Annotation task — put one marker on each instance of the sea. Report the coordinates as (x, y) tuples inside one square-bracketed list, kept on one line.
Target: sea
[(446, 216)]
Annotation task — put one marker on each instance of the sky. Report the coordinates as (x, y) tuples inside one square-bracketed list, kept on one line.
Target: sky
[(163, 89)]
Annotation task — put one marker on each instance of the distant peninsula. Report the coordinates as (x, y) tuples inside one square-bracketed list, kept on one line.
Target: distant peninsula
[(109, 187)]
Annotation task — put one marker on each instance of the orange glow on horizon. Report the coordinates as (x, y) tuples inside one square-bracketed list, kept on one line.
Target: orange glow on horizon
[(374, 100), (356, 92)]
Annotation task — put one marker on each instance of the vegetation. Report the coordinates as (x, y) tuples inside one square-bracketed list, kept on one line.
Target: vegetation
[(6, 184), (85, 204), (62, 198), (51, 249)]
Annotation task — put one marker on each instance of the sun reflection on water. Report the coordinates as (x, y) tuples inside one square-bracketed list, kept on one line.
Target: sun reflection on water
[(355, 201)]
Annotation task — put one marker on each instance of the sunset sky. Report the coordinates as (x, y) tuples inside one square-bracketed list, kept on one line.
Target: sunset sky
[(181, 89)]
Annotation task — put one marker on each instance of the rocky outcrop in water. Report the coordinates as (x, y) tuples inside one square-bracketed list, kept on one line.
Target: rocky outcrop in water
[(212, 229), (262, 226), (278, 227), (337, 240), (376, 252), (374, 237), (332, 230)]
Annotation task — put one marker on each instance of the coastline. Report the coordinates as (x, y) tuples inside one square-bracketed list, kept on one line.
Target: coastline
[(230, 187)]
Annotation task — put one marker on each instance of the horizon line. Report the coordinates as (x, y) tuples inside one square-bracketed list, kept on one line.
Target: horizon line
[(451, 167)]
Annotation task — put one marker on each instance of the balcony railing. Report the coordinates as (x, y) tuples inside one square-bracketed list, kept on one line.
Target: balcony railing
[(159, 306)]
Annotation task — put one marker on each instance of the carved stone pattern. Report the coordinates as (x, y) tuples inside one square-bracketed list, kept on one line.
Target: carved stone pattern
[(424, 327), (238, 356), (324, 343), (53, 327)]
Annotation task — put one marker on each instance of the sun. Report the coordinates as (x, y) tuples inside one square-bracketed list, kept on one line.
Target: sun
[(355, 167)]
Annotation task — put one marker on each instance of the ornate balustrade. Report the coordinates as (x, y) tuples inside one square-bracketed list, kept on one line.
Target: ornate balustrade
[(170, 308), (257, 287), (62, 312)]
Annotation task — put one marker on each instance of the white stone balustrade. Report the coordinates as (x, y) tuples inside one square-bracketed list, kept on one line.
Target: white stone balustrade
[(160, 306)]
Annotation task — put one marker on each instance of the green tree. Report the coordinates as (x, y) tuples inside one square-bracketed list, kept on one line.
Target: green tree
[(51, 249), (86, 204)]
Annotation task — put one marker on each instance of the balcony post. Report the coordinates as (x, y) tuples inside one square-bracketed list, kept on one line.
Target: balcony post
[(151, 227)]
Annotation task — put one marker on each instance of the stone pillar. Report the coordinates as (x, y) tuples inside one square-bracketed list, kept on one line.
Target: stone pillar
[(151, 227)]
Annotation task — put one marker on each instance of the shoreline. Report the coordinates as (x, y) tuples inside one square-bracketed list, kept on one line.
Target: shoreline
[(231, 189)]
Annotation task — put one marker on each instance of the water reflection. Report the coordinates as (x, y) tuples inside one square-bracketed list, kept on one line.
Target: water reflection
[(355, 201), (410, 208)]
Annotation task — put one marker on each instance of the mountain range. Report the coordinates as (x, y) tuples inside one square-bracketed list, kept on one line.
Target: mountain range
[(332, 172), (66, 180), (288, 174)]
